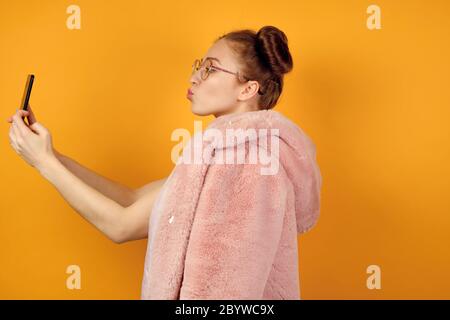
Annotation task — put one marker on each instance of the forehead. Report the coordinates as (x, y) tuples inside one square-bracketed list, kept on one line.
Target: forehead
[(223, 52)]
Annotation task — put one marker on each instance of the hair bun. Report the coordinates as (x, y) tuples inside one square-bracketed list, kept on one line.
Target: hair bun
[(272, 47)]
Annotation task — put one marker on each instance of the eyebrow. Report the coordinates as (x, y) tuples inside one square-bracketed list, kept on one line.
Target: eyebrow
[(212, 58)]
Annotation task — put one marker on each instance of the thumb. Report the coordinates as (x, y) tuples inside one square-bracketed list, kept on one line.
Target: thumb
[(31, 115), (38, 128)]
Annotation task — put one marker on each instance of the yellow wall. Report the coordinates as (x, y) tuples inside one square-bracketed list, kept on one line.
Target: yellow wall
[(375, 102)]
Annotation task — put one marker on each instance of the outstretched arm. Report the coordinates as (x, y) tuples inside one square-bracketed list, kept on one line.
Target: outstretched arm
[(137, 202), (120, 193), (123, 220), (104, 213)]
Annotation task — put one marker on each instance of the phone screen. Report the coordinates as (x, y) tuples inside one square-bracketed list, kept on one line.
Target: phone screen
[(27, 92)]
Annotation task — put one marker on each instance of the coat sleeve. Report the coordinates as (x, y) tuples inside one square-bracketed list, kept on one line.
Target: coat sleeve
[(235, 234)]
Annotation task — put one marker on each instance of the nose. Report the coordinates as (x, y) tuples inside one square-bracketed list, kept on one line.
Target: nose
[(195, 77), (194, 80)]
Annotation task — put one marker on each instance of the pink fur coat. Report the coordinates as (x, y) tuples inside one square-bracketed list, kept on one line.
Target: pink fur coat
[(220, 229)]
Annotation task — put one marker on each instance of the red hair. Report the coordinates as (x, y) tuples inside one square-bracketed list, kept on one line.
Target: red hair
[(264, 56)]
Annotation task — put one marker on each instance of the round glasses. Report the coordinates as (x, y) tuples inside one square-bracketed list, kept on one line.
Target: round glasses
[(205, 67)]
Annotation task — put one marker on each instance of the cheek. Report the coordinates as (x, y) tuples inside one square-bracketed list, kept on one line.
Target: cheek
[(219, 93)]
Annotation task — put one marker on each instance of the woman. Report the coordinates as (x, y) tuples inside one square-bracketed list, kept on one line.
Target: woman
[(217, 230)]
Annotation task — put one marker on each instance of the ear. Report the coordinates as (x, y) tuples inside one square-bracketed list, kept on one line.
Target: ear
[(249, 89)]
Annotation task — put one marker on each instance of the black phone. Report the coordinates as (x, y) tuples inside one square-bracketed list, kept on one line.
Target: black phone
[(27, 93)]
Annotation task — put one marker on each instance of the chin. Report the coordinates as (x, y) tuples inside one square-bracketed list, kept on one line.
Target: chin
[(199, 111), (202, 111)]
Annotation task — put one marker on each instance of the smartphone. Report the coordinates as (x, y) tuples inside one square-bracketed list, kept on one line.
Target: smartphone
[(27, 93)]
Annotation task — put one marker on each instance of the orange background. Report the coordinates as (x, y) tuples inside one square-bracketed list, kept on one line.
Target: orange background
[(375, 102)]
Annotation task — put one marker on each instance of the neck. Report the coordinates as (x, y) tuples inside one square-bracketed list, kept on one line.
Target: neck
[(238, 109)]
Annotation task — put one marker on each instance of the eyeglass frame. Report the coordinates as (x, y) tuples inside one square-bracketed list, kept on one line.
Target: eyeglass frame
[(200, 63)]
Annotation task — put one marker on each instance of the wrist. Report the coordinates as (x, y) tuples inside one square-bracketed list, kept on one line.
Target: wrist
[(57, 154), (47, 166)]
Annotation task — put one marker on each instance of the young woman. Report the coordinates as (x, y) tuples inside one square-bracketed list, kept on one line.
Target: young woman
[(216, 230)]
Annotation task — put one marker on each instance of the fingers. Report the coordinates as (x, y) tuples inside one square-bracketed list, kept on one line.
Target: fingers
[(18, 129), (21, 126), (15, 130), (23, 114), (12, 139), (15, 136)]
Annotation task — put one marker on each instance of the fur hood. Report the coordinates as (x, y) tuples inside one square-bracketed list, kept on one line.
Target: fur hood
[(285, 143)]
